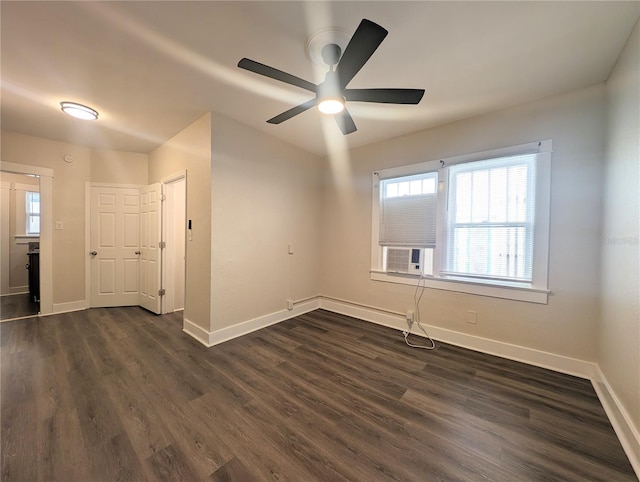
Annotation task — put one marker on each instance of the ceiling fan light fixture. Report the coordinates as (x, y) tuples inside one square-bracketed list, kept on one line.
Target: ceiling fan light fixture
[(79, 111), (332, 105)]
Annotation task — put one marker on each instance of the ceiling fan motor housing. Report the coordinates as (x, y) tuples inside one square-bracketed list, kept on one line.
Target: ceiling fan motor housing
[(331, 54), (330, 88)]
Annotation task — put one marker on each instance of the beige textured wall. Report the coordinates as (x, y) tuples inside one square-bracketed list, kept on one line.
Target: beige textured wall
[(68, 204), (119, 167), (265, 196), (619, 334), (567, 325), (190, 149)]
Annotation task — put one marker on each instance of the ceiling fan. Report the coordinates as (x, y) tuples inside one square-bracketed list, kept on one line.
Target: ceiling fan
[(333, 92)]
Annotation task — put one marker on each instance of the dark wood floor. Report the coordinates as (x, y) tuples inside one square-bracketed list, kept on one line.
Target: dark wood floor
[(16, 306), (120, 394)]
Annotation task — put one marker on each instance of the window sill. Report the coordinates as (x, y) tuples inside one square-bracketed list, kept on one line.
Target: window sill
[(517, 293), (26, 238)]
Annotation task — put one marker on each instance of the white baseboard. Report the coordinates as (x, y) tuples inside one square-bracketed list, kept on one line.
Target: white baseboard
[(17, 290), (70, 306), (216, 337), (195, 331), (559, 363), (620, 420)]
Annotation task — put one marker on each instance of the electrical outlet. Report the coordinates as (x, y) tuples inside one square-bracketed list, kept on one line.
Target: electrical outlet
[(410, 316), (290, 249), (289, 305), (472, 317)]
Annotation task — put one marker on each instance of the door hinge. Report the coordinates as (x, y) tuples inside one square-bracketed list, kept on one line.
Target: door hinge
[(161, 292), (162, 244), (163, 197)]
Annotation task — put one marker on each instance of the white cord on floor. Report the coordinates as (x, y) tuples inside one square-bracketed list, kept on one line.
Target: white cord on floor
[(416, 301)]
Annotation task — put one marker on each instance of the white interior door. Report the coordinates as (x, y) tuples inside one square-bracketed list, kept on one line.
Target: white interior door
[(150, 235), (114, 244)]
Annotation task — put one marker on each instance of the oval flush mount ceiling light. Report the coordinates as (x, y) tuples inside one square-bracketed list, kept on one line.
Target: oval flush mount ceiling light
[(79, 111)]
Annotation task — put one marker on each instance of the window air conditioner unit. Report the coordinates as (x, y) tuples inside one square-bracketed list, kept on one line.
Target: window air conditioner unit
[(405, 260)]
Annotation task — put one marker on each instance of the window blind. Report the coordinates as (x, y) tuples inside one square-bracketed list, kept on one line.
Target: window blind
[(490, 219), (408, 211)]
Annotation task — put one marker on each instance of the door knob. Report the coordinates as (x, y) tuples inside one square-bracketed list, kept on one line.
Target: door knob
[(137, 252), (93, 253)]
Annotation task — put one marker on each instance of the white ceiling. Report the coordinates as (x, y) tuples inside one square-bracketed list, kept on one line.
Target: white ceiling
[(151, 68)]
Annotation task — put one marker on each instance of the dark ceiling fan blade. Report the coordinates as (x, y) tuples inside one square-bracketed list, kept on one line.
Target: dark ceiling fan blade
[(385, 96), (366, 39), (276, 74), (345, 122), (286, 115)]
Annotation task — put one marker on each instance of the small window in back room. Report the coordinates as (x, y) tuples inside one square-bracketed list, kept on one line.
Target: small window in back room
[(33, 212)]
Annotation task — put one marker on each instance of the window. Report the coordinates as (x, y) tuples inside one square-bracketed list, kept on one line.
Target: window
[(476, 223), (491, 209), (408, 210), (32, 208)]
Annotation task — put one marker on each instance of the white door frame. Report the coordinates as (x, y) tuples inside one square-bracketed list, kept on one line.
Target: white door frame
[(167, 281), (46, 228)]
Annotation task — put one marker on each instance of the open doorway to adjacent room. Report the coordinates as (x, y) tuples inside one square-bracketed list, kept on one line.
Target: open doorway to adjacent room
[(174, 232), (19, 245)]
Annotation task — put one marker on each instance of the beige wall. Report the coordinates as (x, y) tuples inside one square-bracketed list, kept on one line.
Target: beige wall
[(567, 325), (265, 196), (68, 198), (190, 150), (68, 204), (118, 167), (619, 335)]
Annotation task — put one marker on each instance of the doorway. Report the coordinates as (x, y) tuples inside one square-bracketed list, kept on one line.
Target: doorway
[(45, 254), (174, 233), (136, 240), (19, 245)]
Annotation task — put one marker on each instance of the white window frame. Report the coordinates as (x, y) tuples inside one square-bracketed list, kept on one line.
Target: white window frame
[(535, 292)]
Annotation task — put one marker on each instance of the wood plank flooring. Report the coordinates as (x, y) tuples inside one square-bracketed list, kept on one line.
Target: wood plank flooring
[(18, 306), (121, 394)]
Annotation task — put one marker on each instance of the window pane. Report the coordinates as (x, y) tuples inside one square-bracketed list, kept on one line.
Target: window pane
[(34, 225), (463, 197), (35, 203), (498, 195), (32, 211), (429, 185), (480, 197), (490, 228), (496, 252), (415, 187), (428, 262), (517, 193)]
